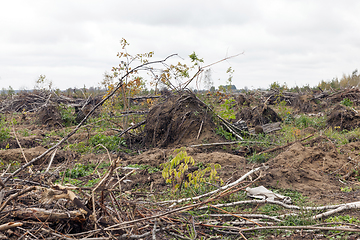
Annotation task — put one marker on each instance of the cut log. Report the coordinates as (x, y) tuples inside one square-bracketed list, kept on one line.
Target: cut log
[(268, 128), (51, 215)]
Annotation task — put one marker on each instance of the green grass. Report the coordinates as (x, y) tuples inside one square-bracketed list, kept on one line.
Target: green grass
[(110, 142), (296, 197), (223, 133), (261, 158), (149, 168), (24, 132), (81, 170), (96, 143), (304, 121), (342, 137)]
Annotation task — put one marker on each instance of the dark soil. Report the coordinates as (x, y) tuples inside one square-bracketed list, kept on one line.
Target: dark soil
[(307, 104), (179, 120), (309, 170), (27, 142), (342, 117), (259, 115), (50, 116), (15, 155)]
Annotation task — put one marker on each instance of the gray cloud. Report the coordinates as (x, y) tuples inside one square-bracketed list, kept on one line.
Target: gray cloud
[(75, 42)]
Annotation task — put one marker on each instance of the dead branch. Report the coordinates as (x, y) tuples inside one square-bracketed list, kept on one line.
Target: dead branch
[(142, 98), (343, 229), (353, 205), (47, 215), (10, 225), (227, 143), (132, 127), (262, 216), (51, 160), (294, 207)]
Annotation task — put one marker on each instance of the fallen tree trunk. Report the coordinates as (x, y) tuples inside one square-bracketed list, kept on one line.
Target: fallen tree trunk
[(51, 215)]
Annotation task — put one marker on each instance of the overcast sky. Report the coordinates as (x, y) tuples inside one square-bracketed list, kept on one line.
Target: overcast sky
[(74, 42)]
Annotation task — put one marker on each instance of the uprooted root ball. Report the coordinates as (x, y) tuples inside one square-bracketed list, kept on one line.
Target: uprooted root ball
[(180, 119)]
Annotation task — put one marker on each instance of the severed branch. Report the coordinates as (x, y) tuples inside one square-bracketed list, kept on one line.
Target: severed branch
[(294, 207), (51, 160), (9, 225), (353, 205), (303, 227), (225, 143), (47, 215), (143, 97), (132, 127), (21, 149)]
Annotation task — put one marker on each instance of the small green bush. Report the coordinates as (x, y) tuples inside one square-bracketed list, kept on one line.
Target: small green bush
[(228, 112), (259, 158), (176, 171), (347, 102), (4, 129), (67, 115), (222, 132)]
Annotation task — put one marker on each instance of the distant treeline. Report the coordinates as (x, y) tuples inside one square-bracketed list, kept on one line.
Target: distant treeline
[(345, 81)]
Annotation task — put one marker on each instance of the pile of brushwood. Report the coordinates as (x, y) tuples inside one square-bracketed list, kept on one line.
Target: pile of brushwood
[(41, 209)]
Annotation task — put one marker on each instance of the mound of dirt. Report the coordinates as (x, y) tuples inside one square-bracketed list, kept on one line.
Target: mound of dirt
[(242, 100), (180, 119), (15, 155), (50, 116), (259, 115), (307, 169), (27, 142), (342, 117)]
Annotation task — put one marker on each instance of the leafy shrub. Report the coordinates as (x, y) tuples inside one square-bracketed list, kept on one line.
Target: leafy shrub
[(228, 112), (259, 158), (67, 115), (175, 171), (4, 129), (288, 118), (347, 102), (221, 131)]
